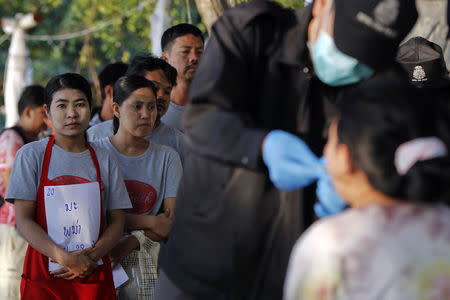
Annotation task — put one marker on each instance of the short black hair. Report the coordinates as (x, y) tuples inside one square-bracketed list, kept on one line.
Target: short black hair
[(110, 74), (67, 81), (176, 31), (143, 63), (32, 96)]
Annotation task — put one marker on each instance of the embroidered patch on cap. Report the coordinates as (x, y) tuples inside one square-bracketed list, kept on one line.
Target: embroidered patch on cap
[(419, 74)]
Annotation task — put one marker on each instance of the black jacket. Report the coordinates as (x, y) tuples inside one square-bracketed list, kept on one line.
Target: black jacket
[(233, 230)]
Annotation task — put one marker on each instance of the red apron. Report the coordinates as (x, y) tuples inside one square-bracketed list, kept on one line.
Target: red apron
[(37, 283)]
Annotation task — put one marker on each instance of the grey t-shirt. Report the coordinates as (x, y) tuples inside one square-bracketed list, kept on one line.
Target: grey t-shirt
[(95, 119), (150, 177), (66, 167), (163, 135), (173, 115), (100, 130)]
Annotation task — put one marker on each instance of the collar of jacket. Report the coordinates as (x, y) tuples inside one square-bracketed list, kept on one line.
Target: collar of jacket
[(293, 50)]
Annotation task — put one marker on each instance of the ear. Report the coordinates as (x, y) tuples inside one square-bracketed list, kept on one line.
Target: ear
[(27, 112), (47, 111), (346, 165), (319, 7), (164, 57), (109, 90), (116, 109)]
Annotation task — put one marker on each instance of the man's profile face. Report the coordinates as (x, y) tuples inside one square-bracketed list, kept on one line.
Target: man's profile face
[(184, 55), (164, 88), (37, 119), (323, 19)]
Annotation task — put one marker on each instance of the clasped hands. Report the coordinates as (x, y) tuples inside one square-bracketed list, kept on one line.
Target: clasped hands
[(76, 264)]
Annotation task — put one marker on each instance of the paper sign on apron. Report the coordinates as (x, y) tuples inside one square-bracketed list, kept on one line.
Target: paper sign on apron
[(73, 216)]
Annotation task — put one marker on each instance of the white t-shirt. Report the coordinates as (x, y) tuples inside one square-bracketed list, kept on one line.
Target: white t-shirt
[(150, 177), (173, 115), (163, 135), (66, 167), (390, 252)]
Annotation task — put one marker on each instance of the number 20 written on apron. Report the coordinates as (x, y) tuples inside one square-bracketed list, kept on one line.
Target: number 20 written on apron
[(73, 216)]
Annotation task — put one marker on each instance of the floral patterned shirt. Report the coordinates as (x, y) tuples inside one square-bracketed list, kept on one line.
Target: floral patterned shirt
[(390, 252), (10, 143)]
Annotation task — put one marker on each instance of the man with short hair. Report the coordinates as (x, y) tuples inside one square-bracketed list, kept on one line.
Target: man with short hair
[(182, 47), (164, 77), (12, 245), (265, 91), (107, 78)]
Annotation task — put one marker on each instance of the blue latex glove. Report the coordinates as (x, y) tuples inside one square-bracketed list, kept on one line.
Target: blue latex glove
[(291, 163), (330, 203)]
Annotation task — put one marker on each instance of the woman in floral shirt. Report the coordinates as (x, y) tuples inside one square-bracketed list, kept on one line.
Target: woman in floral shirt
[(388, 160)]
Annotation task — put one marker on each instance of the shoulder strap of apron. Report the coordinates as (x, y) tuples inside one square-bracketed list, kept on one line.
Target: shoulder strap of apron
[(99, 180)]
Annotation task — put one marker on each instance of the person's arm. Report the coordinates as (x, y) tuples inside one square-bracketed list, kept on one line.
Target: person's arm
[(218, 122), (5, 177), (169, 206), (109, 238), (77, 264), (156, 228), (123, 248)]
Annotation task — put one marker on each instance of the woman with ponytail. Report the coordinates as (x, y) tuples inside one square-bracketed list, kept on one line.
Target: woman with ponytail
[(388, 159), (152, 173)]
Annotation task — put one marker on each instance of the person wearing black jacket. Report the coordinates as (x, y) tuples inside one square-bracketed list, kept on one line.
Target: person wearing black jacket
[(233, 228)]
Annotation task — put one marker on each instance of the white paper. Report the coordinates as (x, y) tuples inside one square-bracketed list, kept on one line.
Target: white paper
[(119, 276), (73, 216)]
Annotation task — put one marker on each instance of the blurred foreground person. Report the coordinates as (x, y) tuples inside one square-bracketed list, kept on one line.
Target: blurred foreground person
[(12, 245), (267, 77), (389, 160)]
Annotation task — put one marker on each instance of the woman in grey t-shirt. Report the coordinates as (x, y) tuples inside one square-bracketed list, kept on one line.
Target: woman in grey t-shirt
[(152, 173), (69, 199)]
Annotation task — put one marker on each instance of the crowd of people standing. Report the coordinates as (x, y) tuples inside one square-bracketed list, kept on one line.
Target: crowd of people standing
[(299, 155)]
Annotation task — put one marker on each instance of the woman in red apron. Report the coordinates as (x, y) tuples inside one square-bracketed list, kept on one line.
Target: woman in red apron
[(65, 226)]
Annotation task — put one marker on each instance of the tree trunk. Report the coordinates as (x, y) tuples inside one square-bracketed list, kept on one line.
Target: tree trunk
[(210, 10), (432, 24)]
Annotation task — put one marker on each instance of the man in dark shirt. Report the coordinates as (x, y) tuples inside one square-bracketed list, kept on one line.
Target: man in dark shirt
[(257, 89)]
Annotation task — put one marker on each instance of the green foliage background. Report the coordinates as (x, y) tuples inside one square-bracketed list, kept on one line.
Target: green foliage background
[(117, 42)]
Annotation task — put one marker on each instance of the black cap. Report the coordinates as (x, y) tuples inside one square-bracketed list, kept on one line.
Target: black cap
[(423, 60), (371, 30)]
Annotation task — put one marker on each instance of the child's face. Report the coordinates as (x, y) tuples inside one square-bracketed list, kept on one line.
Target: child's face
[(69, 112)]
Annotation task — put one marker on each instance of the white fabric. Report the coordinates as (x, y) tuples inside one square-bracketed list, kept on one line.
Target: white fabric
[(390, 252), (12, 255), (72, 213)]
